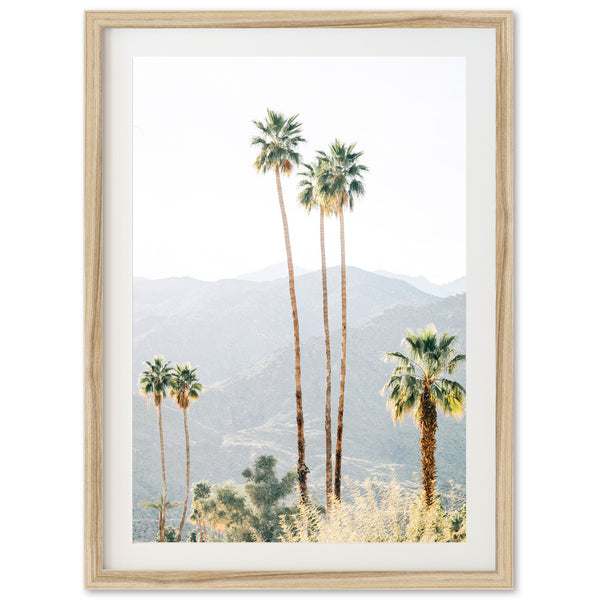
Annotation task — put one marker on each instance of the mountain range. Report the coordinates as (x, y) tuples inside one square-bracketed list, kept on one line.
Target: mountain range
[(239, 333), (272, 272), (451, 288), (279, 270)]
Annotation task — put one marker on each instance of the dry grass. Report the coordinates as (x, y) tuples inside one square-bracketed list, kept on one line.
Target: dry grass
[(379, 512)]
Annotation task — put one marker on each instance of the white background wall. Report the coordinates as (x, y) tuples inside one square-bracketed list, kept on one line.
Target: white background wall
[(557, 204)]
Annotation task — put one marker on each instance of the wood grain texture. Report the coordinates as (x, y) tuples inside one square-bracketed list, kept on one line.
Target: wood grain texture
[(300, 18), (95, 576), (93, 302), (504, 300)]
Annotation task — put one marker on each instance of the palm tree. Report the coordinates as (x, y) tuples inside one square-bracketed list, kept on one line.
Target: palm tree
[(196, 519), (418, 384), (155, 381), (201, 492), (310, 198), (185, 387), (340, 177), (162, 506), (278, 141)]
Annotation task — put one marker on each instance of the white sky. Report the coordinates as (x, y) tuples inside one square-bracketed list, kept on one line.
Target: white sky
[(200, 208)]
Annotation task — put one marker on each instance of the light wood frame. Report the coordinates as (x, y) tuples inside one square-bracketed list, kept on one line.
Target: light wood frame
[(96, 577)]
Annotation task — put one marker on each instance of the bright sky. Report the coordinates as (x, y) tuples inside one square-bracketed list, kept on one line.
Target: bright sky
[(201, 210)]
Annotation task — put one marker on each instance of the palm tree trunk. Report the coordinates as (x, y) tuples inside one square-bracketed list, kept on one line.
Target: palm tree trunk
[(328, 462), (164, 476), (187, 474), (340, 424), (302, 468), (428, 426)]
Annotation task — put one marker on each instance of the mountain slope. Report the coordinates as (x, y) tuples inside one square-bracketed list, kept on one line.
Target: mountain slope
[(251, 410), (272, 272), (228, 325), (457, 286)]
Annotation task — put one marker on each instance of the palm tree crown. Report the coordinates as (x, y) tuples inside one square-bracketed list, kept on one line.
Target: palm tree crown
[(155, 379), (311, 196), (428, 359), (158, 506), (184, 385), (278, 141), (340, 175)]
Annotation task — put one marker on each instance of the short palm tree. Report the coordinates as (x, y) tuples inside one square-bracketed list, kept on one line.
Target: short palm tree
[(278, 141), (185, 388), (195, 518), (340, 178), (201, 493), (310, 198), (154, 382), (419, 384), (162, 506)]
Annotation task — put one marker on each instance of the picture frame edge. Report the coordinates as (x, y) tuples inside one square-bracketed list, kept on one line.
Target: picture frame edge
[(95, 576)]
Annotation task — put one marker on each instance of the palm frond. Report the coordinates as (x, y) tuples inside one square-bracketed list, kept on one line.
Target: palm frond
[(155, 379), (421, 371), (449, 396), (339, 175), (278, 143), (184, 385)]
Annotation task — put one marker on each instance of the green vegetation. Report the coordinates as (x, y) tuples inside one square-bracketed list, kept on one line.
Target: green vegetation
[(170, 534), (265, 492), (192, 536), (229, 513), (418, 385)]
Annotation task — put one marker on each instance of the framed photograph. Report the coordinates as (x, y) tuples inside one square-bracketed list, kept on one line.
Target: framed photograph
[(298, 300)]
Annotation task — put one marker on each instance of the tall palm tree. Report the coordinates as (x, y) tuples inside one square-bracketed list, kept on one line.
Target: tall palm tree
[(340, 177), (154, 381), (185, 388), (162, 506), (419, 384), (278, 142), (310, 198)]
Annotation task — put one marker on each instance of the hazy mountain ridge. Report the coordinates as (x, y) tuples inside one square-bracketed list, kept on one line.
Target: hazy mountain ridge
[(280, 271), (271, 272), (451, 288), (221, 325), (247, 408)]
